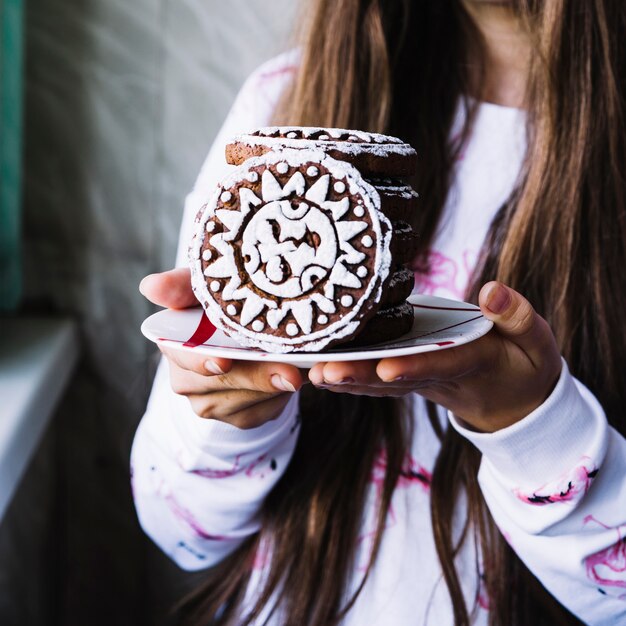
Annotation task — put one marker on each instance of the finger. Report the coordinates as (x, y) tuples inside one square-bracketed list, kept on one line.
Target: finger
[(250, 417), (186, 360), (515, 319), (376, 391), (438, 365), (344, 373), (250, 375), (223, 404), (171, 289), (262, 376), (186, 382)]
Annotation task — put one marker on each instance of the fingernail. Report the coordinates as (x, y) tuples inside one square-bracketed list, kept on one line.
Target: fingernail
[(282, 384), (344, 381), (213, 367), (498, 299), (141, 285)]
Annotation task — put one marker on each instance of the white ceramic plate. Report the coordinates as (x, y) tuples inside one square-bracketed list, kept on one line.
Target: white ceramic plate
[(438, 324)]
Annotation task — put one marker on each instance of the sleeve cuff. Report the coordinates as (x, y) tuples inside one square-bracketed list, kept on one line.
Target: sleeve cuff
[(567, 427)]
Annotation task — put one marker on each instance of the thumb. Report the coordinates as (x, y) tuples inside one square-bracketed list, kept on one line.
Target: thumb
[(171, 289), (516, 320)]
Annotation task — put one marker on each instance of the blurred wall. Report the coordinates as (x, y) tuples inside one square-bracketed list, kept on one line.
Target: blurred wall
[(123, 99)]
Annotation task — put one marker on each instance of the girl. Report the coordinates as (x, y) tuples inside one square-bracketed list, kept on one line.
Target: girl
[(484, 484)]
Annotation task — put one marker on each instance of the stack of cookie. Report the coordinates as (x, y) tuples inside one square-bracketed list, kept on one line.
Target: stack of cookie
[(305, 244)]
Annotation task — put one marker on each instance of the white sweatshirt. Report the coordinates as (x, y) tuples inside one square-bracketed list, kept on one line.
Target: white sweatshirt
[(555, 482)]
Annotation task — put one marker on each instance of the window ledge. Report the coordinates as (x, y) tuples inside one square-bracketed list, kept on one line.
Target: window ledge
[(37, 357)]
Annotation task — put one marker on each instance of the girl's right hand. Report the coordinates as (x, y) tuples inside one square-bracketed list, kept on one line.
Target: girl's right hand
[(245, 394)]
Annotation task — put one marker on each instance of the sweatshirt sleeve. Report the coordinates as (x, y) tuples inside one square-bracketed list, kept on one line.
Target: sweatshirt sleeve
[(555, 483), (198, 484)]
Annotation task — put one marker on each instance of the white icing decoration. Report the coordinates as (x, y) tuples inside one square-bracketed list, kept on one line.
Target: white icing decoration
[(275, 317), (292, 135), (338, 209), (258, 326), (251, 308), (299, 243), (252, 177), (282, 168), (206, 255), (347, 301), (226, 196), (361, 272), (359, 211), (319, 191), (210, 227), (272, 260), (339, 186), (322, 319), (230, 219), (231, 309), (215, 285), (312, 171), (324, 137), (367, 241)]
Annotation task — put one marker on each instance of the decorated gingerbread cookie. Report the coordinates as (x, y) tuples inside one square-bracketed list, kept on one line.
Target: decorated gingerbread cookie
[(372, 154), (291, 252)]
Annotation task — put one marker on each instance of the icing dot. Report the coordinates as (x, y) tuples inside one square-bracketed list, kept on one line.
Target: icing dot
[(361, 272), (292, 330), (231, 309), (322, 319), (339, 187), (367, 241), (215, 285), (324, 137), (282, 168), (210, 227), (347, 300), (312, 171), (226, 196), (252, 176), (359, 211), (206, 255), (258, 326), (353, 138), (291, 135)]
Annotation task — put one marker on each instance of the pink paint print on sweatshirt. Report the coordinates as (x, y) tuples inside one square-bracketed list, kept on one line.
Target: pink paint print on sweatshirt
[(442, 276), (607, 568), (568, 488), (257, 468), (187, 518), (412, 474)]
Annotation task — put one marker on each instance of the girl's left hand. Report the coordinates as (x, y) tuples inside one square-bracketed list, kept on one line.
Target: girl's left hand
[(489, 384)]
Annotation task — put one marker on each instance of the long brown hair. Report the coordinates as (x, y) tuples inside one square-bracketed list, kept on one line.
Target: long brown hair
[(401, 67)]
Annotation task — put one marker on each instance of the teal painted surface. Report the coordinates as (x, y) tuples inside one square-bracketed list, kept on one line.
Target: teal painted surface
[(11, 71)]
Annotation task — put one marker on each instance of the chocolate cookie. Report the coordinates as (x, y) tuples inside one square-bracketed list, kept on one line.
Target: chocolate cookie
[(388, 324), (398, 201), (404, 243), (374, 155), (398, 288), (291, 252)]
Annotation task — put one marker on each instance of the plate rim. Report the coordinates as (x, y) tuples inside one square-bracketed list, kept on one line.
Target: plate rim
[(306, 359)]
